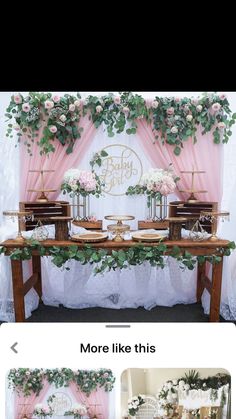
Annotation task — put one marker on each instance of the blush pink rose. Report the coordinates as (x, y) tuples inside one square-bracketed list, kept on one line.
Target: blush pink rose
[(170, 111), (49, 104), (56, 98), (26, 107), (177, 99), (216, 107), (117, 100), (222, 97), (53, 129), (17, 99)]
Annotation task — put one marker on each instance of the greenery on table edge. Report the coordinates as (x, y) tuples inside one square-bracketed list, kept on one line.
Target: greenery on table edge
[(117, 259), (30, 381), (194, 382), (176, 119)]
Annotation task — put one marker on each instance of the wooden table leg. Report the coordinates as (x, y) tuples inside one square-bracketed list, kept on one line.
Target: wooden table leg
[(36, 264), (217, 269), (18, 290), (201, 272)]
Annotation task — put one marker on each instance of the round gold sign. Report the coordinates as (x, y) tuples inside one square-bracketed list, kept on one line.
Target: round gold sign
[(120, 169)]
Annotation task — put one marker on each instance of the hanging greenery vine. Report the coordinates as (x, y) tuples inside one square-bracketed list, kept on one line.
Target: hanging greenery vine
[(116, 259), (174, 120), (30, 381)]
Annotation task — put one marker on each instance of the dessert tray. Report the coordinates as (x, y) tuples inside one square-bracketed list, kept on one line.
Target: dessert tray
[(89, 237), (147, 237)]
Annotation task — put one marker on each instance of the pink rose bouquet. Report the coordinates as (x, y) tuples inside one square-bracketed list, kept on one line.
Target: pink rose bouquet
[(81, 182)]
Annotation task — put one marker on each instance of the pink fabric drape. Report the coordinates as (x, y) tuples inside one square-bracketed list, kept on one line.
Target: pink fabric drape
[(204, 155), (58, 161), (25, 405), (98, 400)]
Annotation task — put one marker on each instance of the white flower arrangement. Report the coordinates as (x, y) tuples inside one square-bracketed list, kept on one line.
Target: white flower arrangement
[(134, 404)]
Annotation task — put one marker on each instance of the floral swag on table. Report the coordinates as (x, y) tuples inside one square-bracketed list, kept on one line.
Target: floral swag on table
[(42, 411), (156, 184), (30, 381), (77, 411), (169, 393), (134, 404), (175, 119)]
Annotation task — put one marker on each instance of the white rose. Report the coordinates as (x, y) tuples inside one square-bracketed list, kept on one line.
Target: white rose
[(174, 130), (169, 386), (175, 382), (199, 108), (62, 118), (189, 118), (181, 383), (186, 387), (125, 110), (155, 104), (71, 107), (221, 125), (77, 103), (99, 109)]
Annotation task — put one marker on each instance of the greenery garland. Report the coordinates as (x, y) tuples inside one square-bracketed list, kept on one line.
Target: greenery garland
[(192, 381), (121, 259), (174, 120), (30, 381)]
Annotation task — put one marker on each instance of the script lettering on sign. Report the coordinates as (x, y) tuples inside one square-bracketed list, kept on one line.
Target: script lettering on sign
[(120, 169), (61, 403)]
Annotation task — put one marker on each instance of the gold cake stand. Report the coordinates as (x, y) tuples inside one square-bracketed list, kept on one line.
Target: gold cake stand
[(119, 228), (212, 216), (21, 216)]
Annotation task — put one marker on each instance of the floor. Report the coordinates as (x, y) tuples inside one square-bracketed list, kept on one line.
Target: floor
[(178, 313)]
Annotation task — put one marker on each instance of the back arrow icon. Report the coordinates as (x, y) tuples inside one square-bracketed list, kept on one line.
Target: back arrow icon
[(13, 347)]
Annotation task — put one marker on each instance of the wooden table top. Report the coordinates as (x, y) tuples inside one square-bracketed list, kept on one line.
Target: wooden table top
[(109, 244)]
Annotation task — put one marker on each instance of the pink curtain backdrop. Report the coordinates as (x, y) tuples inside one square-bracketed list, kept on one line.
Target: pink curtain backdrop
[(25, 405), (58, 161), (99, 397), (204, 155)]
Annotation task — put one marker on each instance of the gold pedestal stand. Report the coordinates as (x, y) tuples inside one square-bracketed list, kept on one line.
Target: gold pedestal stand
[(212, 216), (119, 228), (192, 197), (42, 197), (21, 216)]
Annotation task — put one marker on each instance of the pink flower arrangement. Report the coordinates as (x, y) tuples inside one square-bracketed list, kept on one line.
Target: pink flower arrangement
[(81, 182), (159, 180)]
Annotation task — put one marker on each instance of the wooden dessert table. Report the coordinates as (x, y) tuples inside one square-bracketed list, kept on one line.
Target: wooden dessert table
[(213, 286)]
